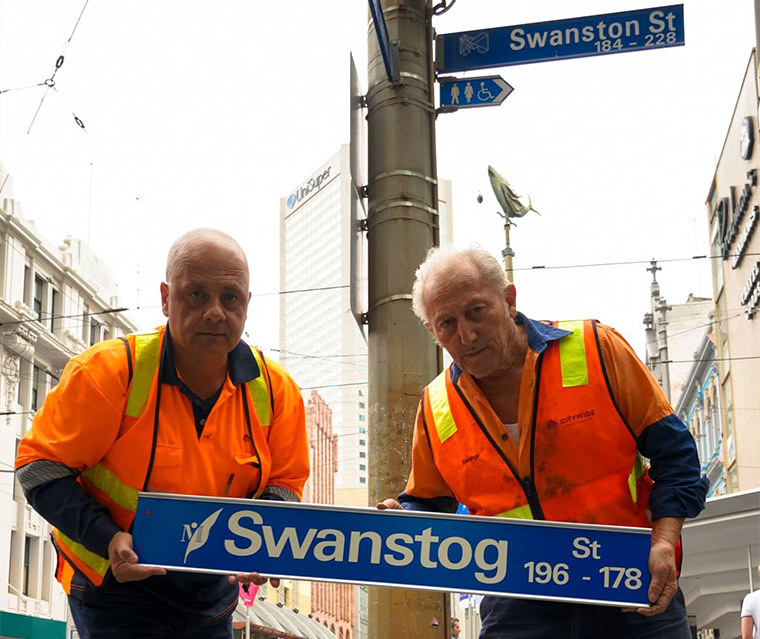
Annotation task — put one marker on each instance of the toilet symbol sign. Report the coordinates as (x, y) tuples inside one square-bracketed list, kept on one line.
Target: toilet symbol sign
[(463, 93)]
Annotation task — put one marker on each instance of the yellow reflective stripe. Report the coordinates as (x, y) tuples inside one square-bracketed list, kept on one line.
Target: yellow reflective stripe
[(110, 484), (439, 404), (96, 562), (572, 355), (259, 393), (523, 512), (147, 352), (639, 468)]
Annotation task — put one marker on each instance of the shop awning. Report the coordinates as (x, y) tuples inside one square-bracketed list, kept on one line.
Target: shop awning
[(267, 615), (721, 555)]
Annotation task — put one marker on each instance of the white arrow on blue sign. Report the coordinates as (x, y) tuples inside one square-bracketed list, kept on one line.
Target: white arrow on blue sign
[(463, 93)]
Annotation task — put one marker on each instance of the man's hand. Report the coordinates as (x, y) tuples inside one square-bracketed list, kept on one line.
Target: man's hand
[(389, 504), (253, 578), (662, 565), (124, 564)]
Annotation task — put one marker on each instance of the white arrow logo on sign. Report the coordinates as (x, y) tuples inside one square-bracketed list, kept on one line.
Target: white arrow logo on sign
[(201, 533)]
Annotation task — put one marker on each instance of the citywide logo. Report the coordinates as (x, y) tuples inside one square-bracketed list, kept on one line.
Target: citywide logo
[(246, 535), (583, 416), (311, 185)]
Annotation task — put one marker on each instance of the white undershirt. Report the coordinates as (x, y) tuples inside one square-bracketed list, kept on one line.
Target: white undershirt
[(513, 432)]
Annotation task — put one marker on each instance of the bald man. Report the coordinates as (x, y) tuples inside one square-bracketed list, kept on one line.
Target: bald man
[(187, 408)]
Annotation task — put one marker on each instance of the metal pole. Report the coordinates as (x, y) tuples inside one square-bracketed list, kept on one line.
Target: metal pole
[(749, 566), (508, 254), (402, 224)]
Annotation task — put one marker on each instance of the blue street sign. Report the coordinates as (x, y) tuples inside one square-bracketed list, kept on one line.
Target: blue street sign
[(602, 34), (486, 555), (463, 93)]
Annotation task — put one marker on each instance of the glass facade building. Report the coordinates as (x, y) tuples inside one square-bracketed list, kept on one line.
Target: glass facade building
[(321, 344)]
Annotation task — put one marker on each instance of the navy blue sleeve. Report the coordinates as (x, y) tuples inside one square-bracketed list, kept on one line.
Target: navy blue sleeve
[(64, 505), (679, 487), (433, 504)]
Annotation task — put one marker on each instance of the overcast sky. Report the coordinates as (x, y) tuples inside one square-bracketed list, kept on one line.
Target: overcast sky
[(203, 113)]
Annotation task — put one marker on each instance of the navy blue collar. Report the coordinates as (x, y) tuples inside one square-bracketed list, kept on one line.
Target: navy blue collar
[(241, 364), (538, 333)]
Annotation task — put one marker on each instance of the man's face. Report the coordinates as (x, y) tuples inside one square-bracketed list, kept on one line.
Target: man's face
[(206, 301), (455, 629), (472, 320)]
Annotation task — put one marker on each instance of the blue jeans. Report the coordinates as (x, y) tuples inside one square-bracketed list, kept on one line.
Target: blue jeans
[(128, 616), (506, 618)]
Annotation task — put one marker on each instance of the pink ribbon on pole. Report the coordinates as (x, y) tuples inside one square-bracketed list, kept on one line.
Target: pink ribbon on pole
[(248, 593)]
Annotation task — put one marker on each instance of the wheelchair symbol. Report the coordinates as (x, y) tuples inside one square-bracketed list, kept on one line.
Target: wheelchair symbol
[(484, 95)]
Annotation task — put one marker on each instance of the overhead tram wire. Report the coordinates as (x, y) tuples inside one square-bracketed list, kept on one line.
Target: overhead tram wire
[(337, 287), (51, 316), (46, 317), (629, 263), (49, 83), (73, 31), (31, 86), (696, 328), (303, 388), (714, 359), (302, 290)]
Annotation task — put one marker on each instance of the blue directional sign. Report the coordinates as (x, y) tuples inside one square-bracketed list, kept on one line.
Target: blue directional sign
[(602, 34), (463, 93), (486, 555)]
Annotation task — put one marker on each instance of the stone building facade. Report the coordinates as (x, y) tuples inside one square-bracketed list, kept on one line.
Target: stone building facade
[(55, 301)]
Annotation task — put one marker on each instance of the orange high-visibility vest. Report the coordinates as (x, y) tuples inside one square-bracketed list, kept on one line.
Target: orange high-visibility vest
[(135, 462), (584, 463)]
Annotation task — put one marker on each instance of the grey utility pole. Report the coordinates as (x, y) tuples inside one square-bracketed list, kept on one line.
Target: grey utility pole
[(402, 224)]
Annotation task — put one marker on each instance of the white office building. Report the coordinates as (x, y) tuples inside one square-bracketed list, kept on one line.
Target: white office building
[(51, 308), (321, 344)]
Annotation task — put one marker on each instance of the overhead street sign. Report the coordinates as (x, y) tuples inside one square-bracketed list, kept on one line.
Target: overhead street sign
[(583, 563), (601, 34), (463, 93)]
